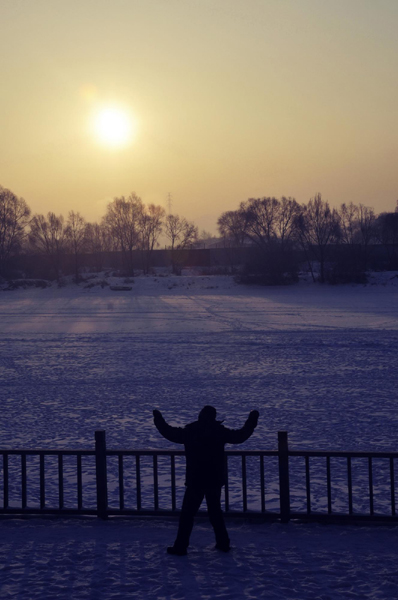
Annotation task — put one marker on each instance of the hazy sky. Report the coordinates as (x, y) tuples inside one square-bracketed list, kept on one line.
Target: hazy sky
[(230, 99)]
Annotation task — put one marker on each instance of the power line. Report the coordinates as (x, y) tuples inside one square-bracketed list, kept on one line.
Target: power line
[(169, 202)]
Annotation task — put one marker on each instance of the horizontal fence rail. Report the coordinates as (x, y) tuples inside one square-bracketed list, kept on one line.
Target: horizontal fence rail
[(280, 484)]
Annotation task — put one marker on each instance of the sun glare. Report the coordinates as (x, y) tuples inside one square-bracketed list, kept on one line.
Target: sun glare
[(113, 126)]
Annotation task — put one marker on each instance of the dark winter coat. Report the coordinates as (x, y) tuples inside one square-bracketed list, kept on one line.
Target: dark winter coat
[(204, 443)]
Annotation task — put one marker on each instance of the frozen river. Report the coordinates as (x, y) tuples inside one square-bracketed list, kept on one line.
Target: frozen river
[(320, 362)]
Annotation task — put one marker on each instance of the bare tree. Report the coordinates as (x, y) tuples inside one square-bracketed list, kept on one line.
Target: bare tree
[(98, 241), (285, 226), (269, 224), (76, 236), (150, 229), (367, 230), (317, 226), (261, 216), (357, 230), (47, 235), (123, 221), (350, 256), (14, 216), (206, 235), (206, 238), (232, 227), (181, 234), (349, 223)]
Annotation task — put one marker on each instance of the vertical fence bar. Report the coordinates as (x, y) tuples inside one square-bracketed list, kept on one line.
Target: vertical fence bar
[(100, 470), (173, 481), (23, 474), (5, 483), (392, 481), (370, 470), (42, 483), (79, 482), (226, 488), (349, 477), (138, 480), (329, 485), (121, 482), (155, 481), (61, 480), (244, 483), (307, 483), (262, 483), (284, 491)]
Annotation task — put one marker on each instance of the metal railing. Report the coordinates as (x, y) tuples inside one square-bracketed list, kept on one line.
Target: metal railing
[(362, 492), (16, 476), (279, 484)]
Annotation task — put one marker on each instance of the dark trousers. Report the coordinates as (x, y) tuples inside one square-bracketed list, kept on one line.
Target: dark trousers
[(190, 506)]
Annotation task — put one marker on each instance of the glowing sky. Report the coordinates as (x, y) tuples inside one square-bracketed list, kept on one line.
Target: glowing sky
[(228, 99)]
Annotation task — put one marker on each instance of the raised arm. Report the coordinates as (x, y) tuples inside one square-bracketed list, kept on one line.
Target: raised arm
[(173, 434), (238, 436)]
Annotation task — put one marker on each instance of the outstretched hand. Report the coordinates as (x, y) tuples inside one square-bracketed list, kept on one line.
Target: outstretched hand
[(253, 416)]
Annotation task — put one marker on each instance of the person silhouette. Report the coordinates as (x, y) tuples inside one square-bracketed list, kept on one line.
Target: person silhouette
[(204, 442)]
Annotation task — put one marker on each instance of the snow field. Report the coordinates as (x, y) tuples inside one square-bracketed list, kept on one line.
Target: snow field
[(86, 559)]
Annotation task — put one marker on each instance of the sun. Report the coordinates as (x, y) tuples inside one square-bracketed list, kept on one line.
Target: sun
[(114, 126)]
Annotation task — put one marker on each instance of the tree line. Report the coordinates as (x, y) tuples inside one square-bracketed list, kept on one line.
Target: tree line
[(280, 234), (127, 226), (283, 232)]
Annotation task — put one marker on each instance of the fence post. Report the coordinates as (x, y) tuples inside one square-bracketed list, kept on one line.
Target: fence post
[(284, 492), (100, 472)]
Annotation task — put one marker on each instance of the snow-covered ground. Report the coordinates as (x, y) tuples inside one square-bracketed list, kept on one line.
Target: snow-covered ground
[(90, 560), (318, 361)]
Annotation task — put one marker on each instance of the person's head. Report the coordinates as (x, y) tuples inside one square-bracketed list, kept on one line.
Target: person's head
[(208, 413)]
